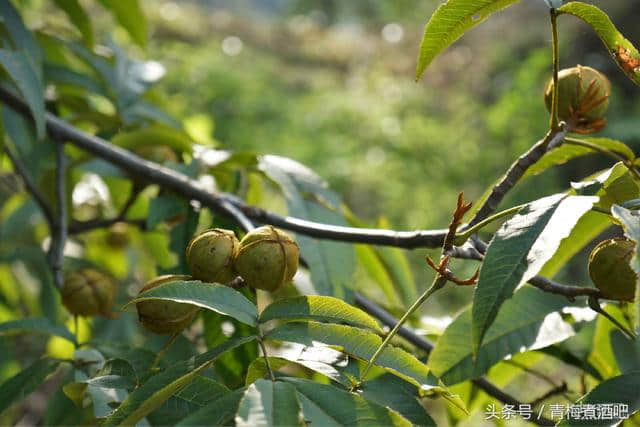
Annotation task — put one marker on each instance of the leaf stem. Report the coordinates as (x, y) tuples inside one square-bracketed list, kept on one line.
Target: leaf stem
[(554, 122), (464, 235), (164, 349), (438, 283), (266, 357), (614, 155)]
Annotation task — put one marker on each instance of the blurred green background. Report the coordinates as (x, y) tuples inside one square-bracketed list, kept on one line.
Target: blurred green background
[(331, 84)]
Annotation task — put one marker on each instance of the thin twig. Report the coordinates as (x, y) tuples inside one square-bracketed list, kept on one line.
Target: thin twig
[(561, 389), (555, 59), (31, 186), (266, 358), (59, 237), (78, 227)]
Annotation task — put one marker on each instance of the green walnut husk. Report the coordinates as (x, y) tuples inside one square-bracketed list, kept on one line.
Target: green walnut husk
[(118, 235), (162, 316), (267, 259), (610, 270), (583, 98), (88, 292), (210, 255)]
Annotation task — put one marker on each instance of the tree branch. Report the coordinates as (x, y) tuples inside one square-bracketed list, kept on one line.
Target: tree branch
[(515, 172), (31, 186), (221, 203), (59, 235)]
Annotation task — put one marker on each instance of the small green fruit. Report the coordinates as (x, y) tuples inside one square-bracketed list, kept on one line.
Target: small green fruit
[(118, 235), (583, 98), (88, 292), (610, 270), (210, 255), (162, 316), (267, 258)]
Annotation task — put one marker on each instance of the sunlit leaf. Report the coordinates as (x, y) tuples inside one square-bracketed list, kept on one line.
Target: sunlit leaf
[(358, 343), (528, 321), (622, 50), (320, 308), (267, 403), (130, 15), (449, 22), (325, 405), (518, 251), (212, 296)]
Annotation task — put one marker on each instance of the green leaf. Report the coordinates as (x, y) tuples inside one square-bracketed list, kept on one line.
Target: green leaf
[(162, 386), (586, 229), (324, 309), (258, 368), (609, 34), (219, 412), (22, 384), (528, 321), (22, 38), (130, 15), (17, 65), (626, 351), (212, 296), (449, 22), (268, 403), (631, 224), (154, 136), (199, 393), (518, 251), (39, 325), (620, 390), (332, 264), (369, 259), (390, 391), (360, 344), (565, 152), (63, 75), (326, 405), (78, 17)]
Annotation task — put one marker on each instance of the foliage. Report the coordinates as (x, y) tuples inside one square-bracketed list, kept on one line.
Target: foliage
[(127, 202)]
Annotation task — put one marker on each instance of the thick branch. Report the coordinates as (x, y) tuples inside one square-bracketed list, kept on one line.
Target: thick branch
[(515, 172), (221, 203)]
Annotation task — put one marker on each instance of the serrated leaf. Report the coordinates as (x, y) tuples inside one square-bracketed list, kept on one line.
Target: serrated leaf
[(390, 391), (361, 344), (267, 403), (565, 152), (26, 381), (325, 405), (199, 393), (331, 263), (518, 251), (129, 14), (211, 296), (528, 321), (39, 325), (627, 58), (162, 386), (449, 22), (218, 412), (319, 308), (21, 71), (620, 390), (78, 17), (586, 229)]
